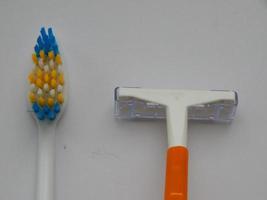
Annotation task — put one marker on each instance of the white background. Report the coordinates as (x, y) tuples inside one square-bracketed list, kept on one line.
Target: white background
[(186, 44)]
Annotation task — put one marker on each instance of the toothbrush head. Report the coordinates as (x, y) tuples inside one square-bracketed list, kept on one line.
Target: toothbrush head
[(47, 91)]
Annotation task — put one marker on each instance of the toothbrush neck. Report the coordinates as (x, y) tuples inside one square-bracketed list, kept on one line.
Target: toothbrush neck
[(46, 162)]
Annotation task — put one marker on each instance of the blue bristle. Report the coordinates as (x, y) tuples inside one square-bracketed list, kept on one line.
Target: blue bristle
[(51, 115), (52, 40), (41, 115), (35, 107), (37, 50), (46, 42), (51, 36), (44, 35), (46, 109), (40, 42), (45, 39), (50, 32), (46, 47), (55, 49), (57, 108)]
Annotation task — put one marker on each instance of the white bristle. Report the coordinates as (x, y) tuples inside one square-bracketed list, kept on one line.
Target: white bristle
[(59, 88), (46, 68), (41, 62), (51, 63), (59, 68), (52, 93), (39, 92), (33, 87), (46, 87)]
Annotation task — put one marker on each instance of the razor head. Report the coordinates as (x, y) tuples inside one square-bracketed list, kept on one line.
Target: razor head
[(129, 107)]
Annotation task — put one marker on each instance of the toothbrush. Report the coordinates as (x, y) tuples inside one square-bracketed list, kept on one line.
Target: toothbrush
[(176, 106), (46, 98)]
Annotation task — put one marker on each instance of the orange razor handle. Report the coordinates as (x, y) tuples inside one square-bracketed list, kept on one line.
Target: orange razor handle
[(176, 173)]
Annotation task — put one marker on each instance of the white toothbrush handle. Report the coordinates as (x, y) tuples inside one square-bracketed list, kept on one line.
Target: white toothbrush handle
[(46, 163)]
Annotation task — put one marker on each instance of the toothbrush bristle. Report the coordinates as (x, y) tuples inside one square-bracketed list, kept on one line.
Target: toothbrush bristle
[(46, 79)]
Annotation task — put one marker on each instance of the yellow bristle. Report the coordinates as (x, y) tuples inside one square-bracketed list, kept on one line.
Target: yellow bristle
[(54, 73), (34, 59), (51, 55), (39, 73), (31, 78), (60, 98), (32, 97), (39, 83), (41, 101), (58, 59), (42, 54), (61, 79), (50, 101), (46, 78), (53, 83)]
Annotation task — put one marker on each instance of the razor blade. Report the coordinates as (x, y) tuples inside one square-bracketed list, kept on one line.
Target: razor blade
[(130, 107)]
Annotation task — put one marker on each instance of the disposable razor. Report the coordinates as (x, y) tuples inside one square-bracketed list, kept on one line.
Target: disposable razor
[(177, 106)]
